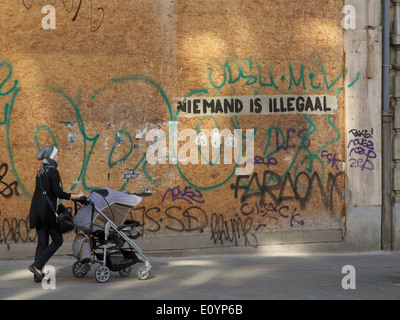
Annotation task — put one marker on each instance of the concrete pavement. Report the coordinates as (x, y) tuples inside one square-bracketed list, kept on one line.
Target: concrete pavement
[(313, 276)]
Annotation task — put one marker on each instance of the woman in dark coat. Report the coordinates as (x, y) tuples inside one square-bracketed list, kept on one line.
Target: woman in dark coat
[(48, 191)]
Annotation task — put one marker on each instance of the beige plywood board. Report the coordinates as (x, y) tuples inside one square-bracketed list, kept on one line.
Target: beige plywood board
[(93, 91)]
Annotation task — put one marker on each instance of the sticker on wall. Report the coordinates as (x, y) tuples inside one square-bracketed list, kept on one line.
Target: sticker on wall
[(140, 133), (71, 137), (131, 174), (69, 124), (119, 138), (256, 105)]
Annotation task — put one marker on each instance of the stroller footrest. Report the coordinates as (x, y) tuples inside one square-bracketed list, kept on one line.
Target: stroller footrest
[(129, 231), (132, 223)]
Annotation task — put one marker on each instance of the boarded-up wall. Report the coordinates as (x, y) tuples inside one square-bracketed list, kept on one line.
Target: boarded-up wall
[(112, 72)]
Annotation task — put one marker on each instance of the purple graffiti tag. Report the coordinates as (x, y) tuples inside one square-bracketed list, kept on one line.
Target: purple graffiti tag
[(270, 211), (362, 151), (189, 194), (331, 158)]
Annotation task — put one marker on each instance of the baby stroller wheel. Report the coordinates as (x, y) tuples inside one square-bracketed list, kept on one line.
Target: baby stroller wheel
[(143, 273), (125, 272), (102, 274), (80, 269)]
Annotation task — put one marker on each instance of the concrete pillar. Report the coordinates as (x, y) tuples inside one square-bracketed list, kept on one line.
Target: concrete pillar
[(395, 91), (363, 47)]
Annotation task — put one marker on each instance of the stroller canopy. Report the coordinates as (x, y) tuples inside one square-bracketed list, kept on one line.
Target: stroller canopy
[(115, 205)]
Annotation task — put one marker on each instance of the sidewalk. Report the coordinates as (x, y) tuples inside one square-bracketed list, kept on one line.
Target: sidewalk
[(219, 277)]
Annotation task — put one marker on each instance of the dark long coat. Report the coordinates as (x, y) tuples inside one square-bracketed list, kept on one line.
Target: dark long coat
[(41, 213)]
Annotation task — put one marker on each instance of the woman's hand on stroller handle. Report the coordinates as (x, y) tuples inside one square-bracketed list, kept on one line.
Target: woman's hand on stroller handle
[(82, 200), (80, 197), (77, 196)]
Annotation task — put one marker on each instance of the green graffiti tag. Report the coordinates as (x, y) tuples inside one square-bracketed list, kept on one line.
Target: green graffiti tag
[(8, 107), (251, 72), (248, 70)]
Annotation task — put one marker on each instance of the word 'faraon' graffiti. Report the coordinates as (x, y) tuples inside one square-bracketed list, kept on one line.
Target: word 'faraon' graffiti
[(300, 187)]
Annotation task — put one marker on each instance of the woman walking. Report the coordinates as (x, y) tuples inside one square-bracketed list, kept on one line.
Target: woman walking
[(44, 203)]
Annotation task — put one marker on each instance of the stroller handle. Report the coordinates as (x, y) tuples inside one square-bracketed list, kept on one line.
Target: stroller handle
[(83, 200)]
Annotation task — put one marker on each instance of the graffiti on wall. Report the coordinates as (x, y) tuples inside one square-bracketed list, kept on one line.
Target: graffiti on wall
[(14, 229), (193, 219), (361, 150), (249, 72), (300, 188), (305, 172), (7, 190)]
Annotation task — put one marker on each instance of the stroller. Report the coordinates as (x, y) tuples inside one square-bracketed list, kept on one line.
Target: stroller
[(106, 236)]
